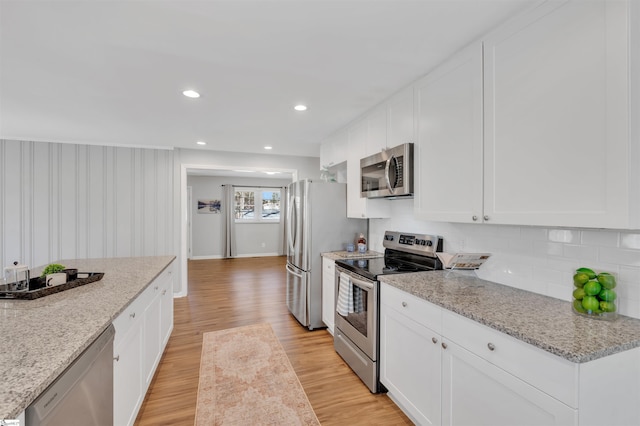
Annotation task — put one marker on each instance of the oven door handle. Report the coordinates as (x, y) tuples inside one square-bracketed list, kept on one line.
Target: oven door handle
[(362, 284)]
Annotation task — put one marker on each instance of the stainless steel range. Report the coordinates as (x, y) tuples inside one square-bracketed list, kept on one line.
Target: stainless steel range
[(356, 336)]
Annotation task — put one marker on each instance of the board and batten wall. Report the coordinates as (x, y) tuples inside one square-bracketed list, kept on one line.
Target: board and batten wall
[(67, 201)]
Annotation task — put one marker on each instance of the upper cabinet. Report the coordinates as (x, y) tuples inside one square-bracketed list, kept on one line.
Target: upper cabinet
[(358, 207), (534, 127), (332, 149), (391, 123), (448, 152), (556, 105)]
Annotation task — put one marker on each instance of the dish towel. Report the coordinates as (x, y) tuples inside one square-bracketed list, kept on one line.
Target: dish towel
[(345, 295)]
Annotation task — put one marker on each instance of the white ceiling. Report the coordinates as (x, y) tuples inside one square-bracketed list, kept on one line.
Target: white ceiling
[(112, 72)]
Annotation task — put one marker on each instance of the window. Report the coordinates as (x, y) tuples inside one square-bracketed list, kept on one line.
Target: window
[(257, 205)]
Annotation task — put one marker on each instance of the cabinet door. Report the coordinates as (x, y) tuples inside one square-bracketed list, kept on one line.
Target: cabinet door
[(127, 380), (449, 146), (376, 131), (400, 119), (166, 310), (152, 338), (556, 90), (477, 392), (328, 292), (410, 363), (358, 207)]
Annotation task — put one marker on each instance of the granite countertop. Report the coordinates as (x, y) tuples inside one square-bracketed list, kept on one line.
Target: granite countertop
[(42, 337), (336, 255), (542, 321)]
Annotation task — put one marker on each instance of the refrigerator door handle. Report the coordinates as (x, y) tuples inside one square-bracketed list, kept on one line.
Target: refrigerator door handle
[(292, 224), (292, 272)]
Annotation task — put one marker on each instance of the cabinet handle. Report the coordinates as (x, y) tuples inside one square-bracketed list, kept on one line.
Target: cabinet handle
[(474, 217), (156, 288), (132, 315), (116, 358), (434, 340), (444, 345), (164, 291), (486, 217), (404, 304), (491, 346)]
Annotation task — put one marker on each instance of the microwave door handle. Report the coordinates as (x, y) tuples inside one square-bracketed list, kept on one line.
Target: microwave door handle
[(386, 174)]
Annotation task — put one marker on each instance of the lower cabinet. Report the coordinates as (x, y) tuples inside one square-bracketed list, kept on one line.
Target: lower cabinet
[(142, 332), (328, 292), (444, 369)]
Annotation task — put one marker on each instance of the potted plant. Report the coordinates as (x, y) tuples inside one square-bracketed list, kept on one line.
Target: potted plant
[(54, 274)]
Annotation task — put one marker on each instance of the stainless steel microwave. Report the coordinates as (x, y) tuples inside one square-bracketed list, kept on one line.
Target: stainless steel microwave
[(388, 173)]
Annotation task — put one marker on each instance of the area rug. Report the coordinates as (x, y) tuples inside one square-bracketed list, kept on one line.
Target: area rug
[(247, 379)]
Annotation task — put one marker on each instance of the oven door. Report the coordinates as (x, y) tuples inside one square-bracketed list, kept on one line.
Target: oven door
[(358, 321)]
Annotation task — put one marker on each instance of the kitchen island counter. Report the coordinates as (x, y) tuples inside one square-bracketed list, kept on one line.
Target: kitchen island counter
[(42, 337), (542, 321)]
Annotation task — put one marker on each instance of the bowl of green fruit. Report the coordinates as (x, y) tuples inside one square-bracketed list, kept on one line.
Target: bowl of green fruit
[(594, 295)]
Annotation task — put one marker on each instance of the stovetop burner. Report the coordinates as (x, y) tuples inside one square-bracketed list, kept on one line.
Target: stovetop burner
[(404, 253)]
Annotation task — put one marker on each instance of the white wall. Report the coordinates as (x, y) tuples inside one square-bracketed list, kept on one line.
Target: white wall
[(68, 201), (537, 259), (207, 228)]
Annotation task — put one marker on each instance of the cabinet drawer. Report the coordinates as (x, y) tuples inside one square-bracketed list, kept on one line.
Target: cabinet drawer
[(132, 314), (547, 372), (419, 310)]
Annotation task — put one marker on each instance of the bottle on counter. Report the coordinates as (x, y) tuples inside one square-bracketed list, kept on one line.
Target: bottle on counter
[(362, 244)]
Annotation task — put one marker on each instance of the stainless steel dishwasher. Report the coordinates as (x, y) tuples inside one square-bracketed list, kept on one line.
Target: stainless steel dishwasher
[(83, 394)]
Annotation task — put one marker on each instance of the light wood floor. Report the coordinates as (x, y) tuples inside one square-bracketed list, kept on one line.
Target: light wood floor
[(235, 292)]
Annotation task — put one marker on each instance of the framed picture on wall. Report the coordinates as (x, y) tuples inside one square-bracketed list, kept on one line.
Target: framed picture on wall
[(209, 206)]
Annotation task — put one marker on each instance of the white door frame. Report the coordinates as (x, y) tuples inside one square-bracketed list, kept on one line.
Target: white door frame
[(184, 209)]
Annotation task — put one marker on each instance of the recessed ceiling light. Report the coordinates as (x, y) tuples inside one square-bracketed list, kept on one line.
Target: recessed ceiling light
[(300, 107), (242, 171), (201, 143), (272, 173), (268, 147), (191, 94)]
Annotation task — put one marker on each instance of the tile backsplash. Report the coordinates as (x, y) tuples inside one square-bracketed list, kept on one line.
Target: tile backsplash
[(536, 259)]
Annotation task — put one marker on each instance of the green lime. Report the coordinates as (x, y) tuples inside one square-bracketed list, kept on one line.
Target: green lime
[(587, 271), (579, 293), (607, 295), (580, 279), (592, 288), (590, 303), (607, 280), (577, 305), (607, 306)]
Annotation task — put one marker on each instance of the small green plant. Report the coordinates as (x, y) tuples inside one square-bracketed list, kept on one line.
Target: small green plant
[(52, 269)]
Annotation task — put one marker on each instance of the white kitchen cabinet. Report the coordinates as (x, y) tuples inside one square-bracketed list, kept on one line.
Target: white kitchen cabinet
[(357, 206), (400, 118), (166, 302), (333, 149), (448, 152), (391, 123), (328, 292), (479, 393), (443, 368), (410, 356), (142, 331), (556, 105), (538, 130)]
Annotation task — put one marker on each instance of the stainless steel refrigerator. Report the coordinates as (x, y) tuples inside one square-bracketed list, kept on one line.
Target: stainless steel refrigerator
[(316, 223)]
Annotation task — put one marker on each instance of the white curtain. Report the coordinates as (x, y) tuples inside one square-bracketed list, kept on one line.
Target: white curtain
[(284, 203), (229, 231)]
